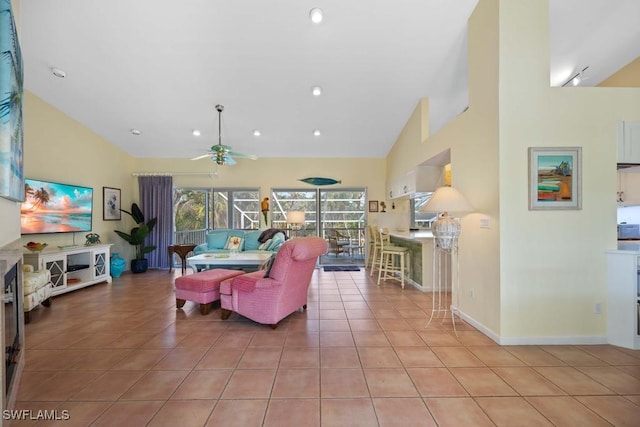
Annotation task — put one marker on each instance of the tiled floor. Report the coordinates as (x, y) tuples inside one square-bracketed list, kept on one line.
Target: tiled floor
[(122, 355)]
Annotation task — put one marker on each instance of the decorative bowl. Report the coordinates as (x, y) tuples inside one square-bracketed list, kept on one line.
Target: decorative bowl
[(35, 247)]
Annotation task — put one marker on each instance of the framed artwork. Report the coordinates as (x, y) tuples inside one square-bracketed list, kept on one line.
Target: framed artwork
[(373, 206), (111, 204), (555, 180), (11, 91)]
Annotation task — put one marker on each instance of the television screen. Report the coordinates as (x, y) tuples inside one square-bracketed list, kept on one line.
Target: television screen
[(51, 207)]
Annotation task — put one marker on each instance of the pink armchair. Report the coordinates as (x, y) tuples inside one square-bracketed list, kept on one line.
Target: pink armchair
[(268, 300)]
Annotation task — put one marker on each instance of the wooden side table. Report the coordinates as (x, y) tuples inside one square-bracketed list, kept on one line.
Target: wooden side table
[(182, 251)]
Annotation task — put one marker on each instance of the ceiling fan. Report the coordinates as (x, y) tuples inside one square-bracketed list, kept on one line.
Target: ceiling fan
[(222, 154)]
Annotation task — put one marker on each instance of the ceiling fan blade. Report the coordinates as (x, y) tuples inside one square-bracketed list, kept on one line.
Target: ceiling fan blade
[(202, 156), (242, 156), (228, 160)]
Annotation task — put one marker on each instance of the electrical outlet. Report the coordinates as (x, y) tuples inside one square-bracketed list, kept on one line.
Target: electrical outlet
[(597, 308), (485, 222), (472, 294)]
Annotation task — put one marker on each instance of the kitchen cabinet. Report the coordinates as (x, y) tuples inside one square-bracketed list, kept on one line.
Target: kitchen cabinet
[(629, 142), (623, 299), (423, 179), (628, 188)]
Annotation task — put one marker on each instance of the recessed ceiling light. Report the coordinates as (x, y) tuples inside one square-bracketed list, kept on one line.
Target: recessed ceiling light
[(58, 73), (316, 91), (316, 132), (196, 132), (316, 15), (256, 132), (135, 132)]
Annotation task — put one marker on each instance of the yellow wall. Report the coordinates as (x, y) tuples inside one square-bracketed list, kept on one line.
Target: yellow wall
[(628, 76)]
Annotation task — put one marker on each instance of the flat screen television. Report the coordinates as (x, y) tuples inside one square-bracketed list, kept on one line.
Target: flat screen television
[(51, 207)]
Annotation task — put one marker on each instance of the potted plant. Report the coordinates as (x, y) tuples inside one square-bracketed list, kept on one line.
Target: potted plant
[(137, 237)]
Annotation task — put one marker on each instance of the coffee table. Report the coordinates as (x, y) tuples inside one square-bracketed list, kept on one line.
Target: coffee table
[(240, 261)]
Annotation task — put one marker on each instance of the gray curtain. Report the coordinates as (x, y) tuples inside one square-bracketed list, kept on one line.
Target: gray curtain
[(156, 200)]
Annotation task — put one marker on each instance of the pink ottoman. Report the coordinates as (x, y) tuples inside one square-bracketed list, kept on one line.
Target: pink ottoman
[(203, 287)]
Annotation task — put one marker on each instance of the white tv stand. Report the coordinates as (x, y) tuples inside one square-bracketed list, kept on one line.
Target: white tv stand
[(73, 267)]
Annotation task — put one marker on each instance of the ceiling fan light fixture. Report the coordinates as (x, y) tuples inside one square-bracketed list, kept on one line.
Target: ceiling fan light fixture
[(316, 91), (256, 132), (58, 73), (316, 15), (316, 132), (135, 132), (196, 132)]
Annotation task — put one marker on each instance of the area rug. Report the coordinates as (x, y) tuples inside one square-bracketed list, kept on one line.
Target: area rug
[(341, 268)]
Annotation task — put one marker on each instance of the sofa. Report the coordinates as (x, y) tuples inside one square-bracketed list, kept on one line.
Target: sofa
[(224, 240)]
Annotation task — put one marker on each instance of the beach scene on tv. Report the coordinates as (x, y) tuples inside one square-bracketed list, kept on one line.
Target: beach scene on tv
[(55, 208)]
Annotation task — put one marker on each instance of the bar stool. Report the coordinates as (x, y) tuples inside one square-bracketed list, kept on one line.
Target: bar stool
[(374, 249), (393, 259)]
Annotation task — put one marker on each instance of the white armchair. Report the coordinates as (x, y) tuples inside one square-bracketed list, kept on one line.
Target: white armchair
[(37, 289)]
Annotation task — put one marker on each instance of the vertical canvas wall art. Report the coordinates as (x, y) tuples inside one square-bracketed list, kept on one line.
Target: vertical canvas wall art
[(11, 90), (555, 178)]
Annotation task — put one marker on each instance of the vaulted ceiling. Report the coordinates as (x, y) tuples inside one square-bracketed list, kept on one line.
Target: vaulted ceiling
[(161, 66)]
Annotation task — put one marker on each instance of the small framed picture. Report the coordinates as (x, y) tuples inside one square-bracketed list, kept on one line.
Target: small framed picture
[(111, 204), (555, 181), (373, 206)]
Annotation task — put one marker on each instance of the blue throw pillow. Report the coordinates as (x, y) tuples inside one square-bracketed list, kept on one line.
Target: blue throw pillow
[(216, 239), (276, 241), (251, 242)]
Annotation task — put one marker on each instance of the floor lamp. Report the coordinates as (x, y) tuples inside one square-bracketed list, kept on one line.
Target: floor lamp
[(296, 220), (446, 231)]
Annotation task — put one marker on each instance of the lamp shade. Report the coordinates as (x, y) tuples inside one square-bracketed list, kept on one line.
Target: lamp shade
[(446, 199), (295, 217)]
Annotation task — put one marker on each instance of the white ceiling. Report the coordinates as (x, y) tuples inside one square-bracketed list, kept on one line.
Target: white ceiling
[(161, 66)]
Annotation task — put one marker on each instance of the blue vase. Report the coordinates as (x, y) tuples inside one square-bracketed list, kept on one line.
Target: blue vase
[(117, 265)]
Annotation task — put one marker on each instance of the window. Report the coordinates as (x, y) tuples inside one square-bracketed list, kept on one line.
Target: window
[(197, 210), (420, 219)]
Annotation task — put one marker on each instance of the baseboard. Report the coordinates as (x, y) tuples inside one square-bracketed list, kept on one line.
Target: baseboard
[(534, 340)]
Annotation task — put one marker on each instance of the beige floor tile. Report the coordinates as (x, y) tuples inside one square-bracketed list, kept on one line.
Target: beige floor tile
[(347, 412), (80, 414), (393, 412), (358, 314), (459, 357), (297, 383), (511, 411), (613, 378), (573, 355), (142, 358), (528, 382), (183, 412), (615, 409), (378, 357), (404, 338), (204, 384), (439, 338), (260, 358), (534, 356), (238, 413), (611, 355), (155, 385), (389, 383), (482, 382), (217, 358), (250, 384), (336, 339), (109, 386), (334, 326), (339, 357), (123, 413), (436, 382), (181, 358), (343, 383), (495, 356), (293, 413), (566, 411), (61, 386), (413, 357), (370, 339), (300, 357), (457, 412), (572, 381)]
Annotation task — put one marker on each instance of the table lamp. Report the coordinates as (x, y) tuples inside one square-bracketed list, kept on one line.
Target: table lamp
[(295, 219), (446, 229)]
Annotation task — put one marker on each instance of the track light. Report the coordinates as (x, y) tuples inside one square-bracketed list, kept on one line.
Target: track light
[(577, 78)]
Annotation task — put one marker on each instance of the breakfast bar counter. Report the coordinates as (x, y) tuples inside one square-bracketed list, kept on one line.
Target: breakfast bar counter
[(420, 245)]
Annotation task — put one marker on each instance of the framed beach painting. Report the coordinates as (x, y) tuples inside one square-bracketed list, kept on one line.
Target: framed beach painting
[(11, 90), (555, 180)]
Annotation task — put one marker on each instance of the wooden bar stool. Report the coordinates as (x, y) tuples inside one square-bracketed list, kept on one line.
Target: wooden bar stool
[(374, 249), (393, 259)]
